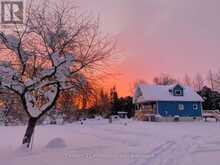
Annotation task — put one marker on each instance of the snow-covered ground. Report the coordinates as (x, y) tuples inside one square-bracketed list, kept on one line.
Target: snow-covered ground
[(99, 143)]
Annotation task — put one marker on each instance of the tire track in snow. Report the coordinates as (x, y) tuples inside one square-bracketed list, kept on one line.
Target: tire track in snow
[(116, 139), (172, 152), (153, 155)]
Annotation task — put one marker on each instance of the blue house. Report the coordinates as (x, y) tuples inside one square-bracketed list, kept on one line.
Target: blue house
[(167, 101)]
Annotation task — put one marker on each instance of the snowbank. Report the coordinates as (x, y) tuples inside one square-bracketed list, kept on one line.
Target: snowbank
[(56, 143)]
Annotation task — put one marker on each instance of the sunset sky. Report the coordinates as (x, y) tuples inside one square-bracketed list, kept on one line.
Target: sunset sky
[(160, 36)]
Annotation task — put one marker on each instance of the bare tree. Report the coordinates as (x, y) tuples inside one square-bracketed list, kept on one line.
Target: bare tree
[(187, 81), (85, 98), (198, 82), (135, 84), (103, 103), (211, 80), (56, 50), (66, 104), (164, 79), (216, 81)]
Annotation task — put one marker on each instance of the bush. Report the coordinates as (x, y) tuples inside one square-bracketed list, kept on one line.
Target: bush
[(176, 118)]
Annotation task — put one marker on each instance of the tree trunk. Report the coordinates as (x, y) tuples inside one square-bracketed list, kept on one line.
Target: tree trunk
[(29, 131)]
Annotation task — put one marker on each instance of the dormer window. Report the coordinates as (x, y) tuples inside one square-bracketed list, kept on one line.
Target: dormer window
[(178, 92)]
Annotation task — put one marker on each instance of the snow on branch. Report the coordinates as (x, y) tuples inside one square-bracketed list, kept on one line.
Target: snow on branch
[(63, 65), (9, 78), (49, 96), (13, 43), (56, 59)]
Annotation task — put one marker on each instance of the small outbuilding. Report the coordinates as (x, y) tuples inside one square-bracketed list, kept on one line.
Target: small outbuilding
[(167, 102), (122, 114)]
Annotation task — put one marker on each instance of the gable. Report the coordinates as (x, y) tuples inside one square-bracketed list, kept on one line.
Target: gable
[(178, 90), (138, 93)]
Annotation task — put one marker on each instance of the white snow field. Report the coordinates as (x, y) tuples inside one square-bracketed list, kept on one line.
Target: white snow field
[(99, 143)]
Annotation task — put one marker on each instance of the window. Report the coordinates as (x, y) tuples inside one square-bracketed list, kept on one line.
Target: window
[(178, 93), (181, 107), (195, 107)]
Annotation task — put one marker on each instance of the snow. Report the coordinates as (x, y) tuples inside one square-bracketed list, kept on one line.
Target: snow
[(47, 72), (9, 78), (56, 143), (63, 64), (50, 95), (32, 108), (98, 143), (8, 74), (57, 59), (161, 93), (12, 43)]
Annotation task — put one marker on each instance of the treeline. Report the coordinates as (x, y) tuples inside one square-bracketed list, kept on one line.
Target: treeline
[(71, 106), (197, 82)]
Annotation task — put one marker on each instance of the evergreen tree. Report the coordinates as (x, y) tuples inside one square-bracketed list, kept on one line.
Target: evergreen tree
[(114, 101), (126, 105), (211, 98), (104, 104)]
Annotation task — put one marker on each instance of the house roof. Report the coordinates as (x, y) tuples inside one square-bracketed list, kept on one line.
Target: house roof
[(162, 93)]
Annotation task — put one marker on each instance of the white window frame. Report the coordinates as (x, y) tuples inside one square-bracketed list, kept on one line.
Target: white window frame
[(181, 107), (180, 92), (195, 108)]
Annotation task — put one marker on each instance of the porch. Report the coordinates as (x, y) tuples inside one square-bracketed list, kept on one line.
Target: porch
[(146, 111)]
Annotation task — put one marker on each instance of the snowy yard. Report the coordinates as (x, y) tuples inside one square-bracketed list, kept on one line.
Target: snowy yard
[(100, 143)]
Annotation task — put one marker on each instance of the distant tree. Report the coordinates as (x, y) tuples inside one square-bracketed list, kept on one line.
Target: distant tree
[(211, 79), (65, 101), (126, 105), (11, 105), (217, 81), (135, 84), (114, 100), (211, 98), (66, 104), (164, 79), (187, 81), (103, 104), (85, 97), (198, 82)]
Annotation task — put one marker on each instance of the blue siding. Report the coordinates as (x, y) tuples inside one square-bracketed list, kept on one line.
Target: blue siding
[(170, 108)]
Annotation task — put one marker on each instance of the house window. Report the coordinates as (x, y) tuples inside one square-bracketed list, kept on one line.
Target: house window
[(195, 107), (181, 107), (178, 93)]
